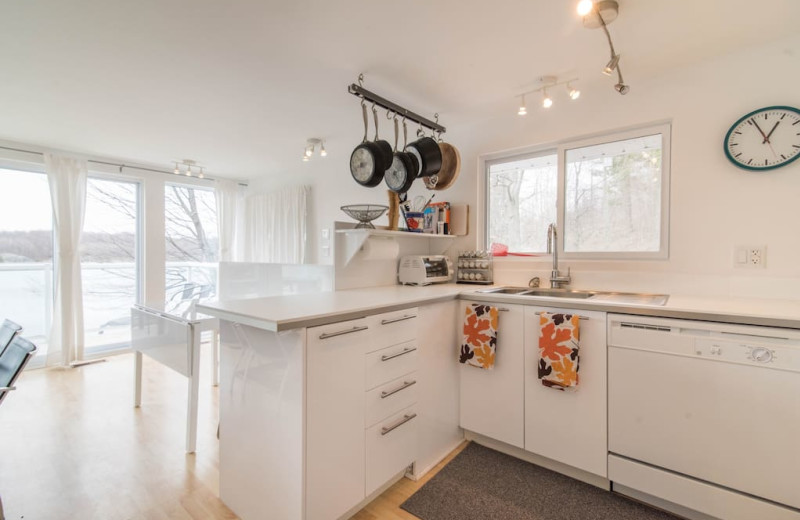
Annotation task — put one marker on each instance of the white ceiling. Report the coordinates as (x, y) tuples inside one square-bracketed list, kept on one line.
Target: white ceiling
[(240, 85)]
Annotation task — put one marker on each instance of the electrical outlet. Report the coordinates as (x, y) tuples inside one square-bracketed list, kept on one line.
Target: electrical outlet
[(750, 256)]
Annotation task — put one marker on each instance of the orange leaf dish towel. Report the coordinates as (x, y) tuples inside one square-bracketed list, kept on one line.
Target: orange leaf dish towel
[(480, 336), (559, 346)]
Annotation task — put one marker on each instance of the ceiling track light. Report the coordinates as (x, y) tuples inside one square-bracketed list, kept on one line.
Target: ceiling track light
[(311, 146), (188, 167), (600, 14), (548, 82)]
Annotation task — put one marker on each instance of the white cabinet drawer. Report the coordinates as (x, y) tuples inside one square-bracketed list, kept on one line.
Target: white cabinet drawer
[(390, 363), (391, 446), (391, 328), (339, 334), (390, 398)]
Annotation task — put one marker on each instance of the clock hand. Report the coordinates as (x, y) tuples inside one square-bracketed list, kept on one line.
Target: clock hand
[(752, 120), (766, 139)]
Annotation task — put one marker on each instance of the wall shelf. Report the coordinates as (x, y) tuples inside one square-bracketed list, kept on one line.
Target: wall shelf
[(355, 238)]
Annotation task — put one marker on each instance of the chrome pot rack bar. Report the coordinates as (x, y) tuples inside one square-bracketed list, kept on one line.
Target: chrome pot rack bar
[(358, 90)]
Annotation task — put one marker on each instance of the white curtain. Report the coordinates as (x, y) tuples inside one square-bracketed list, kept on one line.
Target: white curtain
[(230, 219), (67, 179), (276, 226)]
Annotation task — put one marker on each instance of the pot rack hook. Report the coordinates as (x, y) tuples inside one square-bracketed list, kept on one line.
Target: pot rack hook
[(420, 131), (405, 134), (389, 114), (361, 80), (395, 132)]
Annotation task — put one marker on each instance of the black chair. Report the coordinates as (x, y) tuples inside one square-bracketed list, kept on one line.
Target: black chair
[(12, 360), (8, 330)]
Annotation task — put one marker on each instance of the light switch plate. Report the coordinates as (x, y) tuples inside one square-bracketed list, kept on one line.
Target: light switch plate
[(750, 257)]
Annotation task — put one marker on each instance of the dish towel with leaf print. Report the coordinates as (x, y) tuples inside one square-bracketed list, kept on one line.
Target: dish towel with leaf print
[(480, 336), (559, 346)]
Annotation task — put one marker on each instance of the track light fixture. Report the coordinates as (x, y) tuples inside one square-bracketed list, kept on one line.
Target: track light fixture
[(311, 146), (599, 14), (549, 82), (187, 167)]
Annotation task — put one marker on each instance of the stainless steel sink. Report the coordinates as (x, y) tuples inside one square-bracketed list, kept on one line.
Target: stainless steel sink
[(607, 296), (560, 293)]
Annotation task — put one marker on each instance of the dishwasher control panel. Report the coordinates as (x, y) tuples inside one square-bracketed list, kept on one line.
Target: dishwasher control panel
[(737, 352)]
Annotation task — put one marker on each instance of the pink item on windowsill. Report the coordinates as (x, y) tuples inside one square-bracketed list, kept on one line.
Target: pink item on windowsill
[(502, 250)]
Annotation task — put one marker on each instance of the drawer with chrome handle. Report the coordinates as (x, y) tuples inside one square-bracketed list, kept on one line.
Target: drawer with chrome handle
[(395, 327), (390, 363), (407, 417), (391, 447), (389, 398)]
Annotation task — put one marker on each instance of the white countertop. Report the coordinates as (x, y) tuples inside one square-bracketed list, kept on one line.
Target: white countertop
[(279, 313)]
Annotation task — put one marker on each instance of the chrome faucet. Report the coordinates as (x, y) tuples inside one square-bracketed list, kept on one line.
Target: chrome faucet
[(556, 280)]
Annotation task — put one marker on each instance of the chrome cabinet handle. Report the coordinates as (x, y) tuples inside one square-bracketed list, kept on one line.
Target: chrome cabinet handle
[(401, 318), (404, 352), (10, 388), (327, 335), (583, 318), (401, 422), (502, 309), (405, 385)]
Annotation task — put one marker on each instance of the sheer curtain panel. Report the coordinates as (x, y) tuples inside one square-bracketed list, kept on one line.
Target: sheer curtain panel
[(276, 226), (230, 219), (67, 179)]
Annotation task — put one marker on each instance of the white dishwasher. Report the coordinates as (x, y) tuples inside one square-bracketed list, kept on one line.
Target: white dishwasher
[(706, 415)]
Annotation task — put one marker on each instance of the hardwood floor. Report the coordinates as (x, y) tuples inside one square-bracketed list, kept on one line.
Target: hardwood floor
[(73, 446)]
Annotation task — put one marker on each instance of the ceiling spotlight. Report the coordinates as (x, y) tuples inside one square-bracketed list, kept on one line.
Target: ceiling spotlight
[(573, 92), (547, 101), (177, 170), (305, 158), (200, 175), (622, 88), (522, 108), (322, 151), (309, 151), (188, 170), (611, 66), (585, 7)]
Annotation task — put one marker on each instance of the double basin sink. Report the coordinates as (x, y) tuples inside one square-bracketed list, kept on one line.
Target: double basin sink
[(606, 296)]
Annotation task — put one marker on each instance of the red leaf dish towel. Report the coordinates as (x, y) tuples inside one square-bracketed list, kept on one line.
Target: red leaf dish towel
[(480, 336), (559, 345)]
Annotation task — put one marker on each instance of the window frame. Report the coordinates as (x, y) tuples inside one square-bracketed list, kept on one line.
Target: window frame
[(561, 148)]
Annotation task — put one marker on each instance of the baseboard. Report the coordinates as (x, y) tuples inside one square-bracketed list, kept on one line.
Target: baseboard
[(558, 467), (375, 494), (419, 473)]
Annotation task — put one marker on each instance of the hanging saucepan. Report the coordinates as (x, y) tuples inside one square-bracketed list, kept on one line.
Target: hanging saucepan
[(402, 172), (366, 162), (386, 148), (451, 167), (428, 154)]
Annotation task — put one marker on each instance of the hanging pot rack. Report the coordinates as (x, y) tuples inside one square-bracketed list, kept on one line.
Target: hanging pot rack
[(360, 91)]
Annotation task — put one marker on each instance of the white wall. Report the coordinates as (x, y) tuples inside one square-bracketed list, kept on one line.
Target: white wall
[(714, 205)]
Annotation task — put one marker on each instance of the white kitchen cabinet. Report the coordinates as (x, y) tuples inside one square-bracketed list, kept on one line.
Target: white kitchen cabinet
[(335, 473), (569, 426), (492, 401)]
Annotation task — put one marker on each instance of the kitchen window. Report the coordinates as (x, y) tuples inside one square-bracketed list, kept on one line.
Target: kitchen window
[(608, 195)]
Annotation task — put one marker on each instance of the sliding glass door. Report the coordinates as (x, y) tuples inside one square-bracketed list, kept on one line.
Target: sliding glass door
[(109, 262)]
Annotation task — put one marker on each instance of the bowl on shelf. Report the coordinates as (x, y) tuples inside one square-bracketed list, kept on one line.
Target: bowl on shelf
[(364, 213)]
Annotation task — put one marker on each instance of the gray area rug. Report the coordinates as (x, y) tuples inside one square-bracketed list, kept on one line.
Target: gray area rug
[(482, 484)]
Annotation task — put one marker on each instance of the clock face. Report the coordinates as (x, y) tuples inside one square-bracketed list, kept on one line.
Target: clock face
[(765, 139)]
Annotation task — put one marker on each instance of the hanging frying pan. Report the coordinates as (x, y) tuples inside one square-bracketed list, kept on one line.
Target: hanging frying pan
[(366, 162), (402, 172)]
